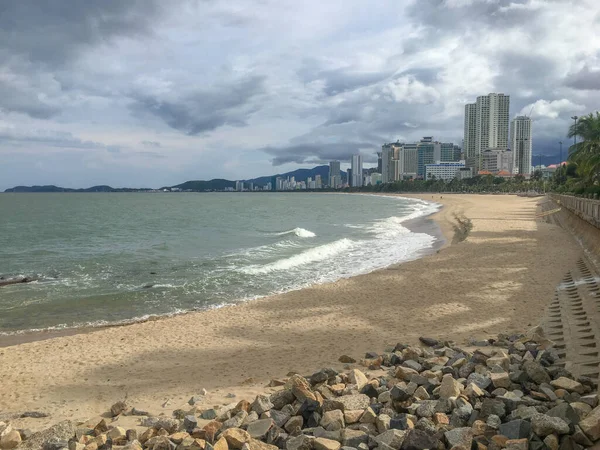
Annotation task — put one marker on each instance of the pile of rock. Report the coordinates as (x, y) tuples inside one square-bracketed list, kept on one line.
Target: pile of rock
[(509, 395)]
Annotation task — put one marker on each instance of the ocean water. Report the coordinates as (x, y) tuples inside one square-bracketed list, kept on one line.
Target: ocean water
[(115, 258)]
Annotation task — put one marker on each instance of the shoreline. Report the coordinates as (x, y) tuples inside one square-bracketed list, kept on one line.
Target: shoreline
[(498, 280), (423, 224)]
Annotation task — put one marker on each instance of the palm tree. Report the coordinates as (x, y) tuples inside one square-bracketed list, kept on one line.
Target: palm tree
[(587, 152)]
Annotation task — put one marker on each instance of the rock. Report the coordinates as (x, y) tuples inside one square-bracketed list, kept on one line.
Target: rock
[(56, 444), (543, 425), (383, 423), (353, 416), (34, 414), (139, 412), (346, 359), (391, 438), (221, 444), (179, 437), (440, 419), (568, 385), (405, 373), (591, 424), (195, 399), (536, 372), (261, 404), (279, 417), (210, 430), (294, 425), (515, 429), (462, 437), (399, 393), (300, 388), (565, 412), (449, 387), (255, 444), (493, 421), (479, 380), (551, 442), (353, 438), (581, 409), (62, 431), (580, 437), (368, 416), (118, 408), (500, 379), (209, 414), (492, 406), (591, 400), (133, 445), (189, 423), (426, 408), (419, 440), (333, 420), (243, 405), (259, 428), (353, 402), (430, 342), (10, 439), (236, 421), (236, 437), (281, 398), (358, 378), (421, 393), (326, 444), (517, 444), (301, 442)]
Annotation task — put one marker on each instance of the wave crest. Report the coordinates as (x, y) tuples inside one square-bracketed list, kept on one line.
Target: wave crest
[(300, 232)]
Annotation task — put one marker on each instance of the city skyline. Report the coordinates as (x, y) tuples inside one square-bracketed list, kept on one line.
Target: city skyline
[(151, 93)]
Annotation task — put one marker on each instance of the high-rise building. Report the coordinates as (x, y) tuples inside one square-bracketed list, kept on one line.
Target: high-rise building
[(457, 153), (387, 156), (497, 160), (520, 144), (335, 179), (349, 177), (318, 182), (470, 130), (486, 121), (447, 153), (239, 186), (357, 169), (428, 152)]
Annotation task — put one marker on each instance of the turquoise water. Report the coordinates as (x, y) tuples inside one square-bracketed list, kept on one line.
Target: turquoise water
[(113, 258)]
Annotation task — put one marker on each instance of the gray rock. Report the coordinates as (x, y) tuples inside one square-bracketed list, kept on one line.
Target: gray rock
[(536, 372), (189, 423), (279, 417), (392, 438), (426, 408), (294, 425), (430, 342), (492, 406), (353, 402), (565, 412), (209, 414), (55, 444), (236, 421), (543, 425), (262, 404), (516, 429), (460, 437), (333, 420), (139, 412), (259, 428), (320, 432), (419, 440), (493, 421), (301, 442), (411, 364), (479, 380), (353, 438), (118, 408), (62, 431), (281, 398)]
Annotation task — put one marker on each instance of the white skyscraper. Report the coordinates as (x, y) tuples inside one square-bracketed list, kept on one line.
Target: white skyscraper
[(357, 168), (489, 117), (335, 179), (520, 144)]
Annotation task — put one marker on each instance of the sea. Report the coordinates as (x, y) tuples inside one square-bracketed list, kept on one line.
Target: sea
[(103, 259)]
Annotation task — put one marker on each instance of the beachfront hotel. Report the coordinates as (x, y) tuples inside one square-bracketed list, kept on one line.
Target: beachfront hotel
[(520, 143), (486, 127)]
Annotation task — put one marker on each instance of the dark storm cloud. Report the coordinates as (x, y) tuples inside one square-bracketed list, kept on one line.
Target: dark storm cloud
[(313, 152), (203, 110), (25, 101), (52, 32), (585, 79)]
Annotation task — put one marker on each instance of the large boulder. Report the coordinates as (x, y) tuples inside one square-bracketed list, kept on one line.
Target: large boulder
[(591, 424), (236, 437), (353, 402), (10, 439), (543, 425)]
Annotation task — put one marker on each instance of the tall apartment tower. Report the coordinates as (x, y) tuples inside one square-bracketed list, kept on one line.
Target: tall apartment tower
[(335, 179), (487, 122), (387, 156), (357, 170), (520, 144)]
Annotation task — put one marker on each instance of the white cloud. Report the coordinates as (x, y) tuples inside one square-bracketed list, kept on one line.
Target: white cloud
[(551, 109)]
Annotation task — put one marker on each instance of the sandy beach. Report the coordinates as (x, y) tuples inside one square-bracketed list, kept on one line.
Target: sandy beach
[(497, 280)]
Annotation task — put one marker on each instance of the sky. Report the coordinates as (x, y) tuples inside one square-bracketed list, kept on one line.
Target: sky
[(148, 93)]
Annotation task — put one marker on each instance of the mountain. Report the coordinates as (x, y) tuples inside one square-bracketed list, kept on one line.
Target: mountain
[(217, 184)]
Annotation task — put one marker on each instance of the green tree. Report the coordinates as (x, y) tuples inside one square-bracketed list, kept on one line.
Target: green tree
[(586, 154)]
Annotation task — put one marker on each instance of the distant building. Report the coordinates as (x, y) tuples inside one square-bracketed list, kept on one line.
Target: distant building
[(376, 178), (387, 156), (273, 184), (497, 160), (464, 173), (335, 179), (487, 122), (318, 182), (428, 152), (357, 170), (521, 146), (443, 170), (239, 186), (349, 177), (250, 186)]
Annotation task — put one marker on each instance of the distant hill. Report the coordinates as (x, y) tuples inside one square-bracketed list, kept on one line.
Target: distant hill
[(217, 184)]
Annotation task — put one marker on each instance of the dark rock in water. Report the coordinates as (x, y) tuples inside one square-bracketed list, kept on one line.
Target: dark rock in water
[(34, 414), (516, 429), (430, 342), (419, 440)]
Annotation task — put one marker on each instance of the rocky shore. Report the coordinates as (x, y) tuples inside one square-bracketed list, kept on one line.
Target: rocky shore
[(508, 393)]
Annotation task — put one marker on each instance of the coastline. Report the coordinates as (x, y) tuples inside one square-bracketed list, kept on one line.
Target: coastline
[(421, 224), (498, 280)]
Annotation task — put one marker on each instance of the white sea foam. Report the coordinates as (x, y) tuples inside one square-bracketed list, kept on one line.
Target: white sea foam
[(300, 232), (312, 255)]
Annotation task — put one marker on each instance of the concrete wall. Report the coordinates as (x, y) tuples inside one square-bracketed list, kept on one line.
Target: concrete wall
[(587, 209)]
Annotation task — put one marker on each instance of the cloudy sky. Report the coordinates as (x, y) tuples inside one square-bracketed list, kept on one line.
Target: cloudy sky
[(151, 93)]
